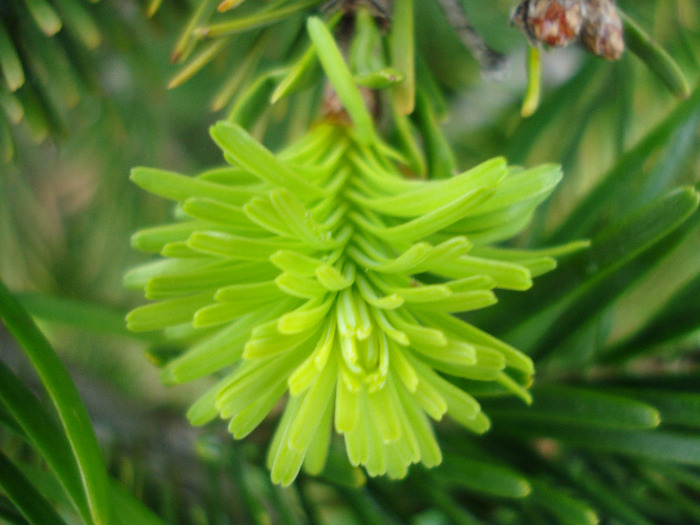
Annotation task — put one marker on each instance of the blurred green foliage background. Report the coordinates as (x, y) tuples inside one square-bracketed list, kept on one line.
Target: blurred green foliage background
[(613, 331)]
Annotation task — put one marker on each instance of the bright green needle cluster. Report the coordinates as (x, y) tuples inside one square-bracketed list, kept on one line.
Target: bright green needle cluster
[(325, 274)]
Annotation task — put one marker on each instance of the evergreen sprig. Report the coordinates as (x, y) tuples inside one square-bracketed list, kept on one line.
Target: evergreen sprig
[(333, 277), (330, 275)]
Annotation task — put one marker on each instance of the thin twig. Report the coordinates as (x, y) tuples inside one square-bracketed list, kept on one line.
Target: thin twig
[(492, 62)]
